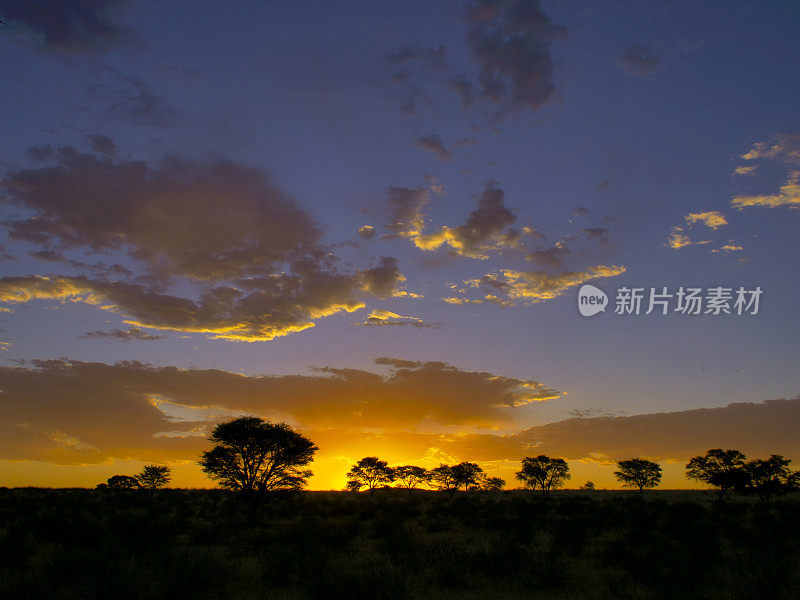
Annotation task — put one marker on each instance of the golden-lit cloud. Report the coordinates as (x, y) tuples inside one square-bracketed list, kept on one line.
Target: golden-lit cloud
[(509, 287), (81, 412), (487, 229), (386, 318), (713, 219), (788, 195), (254, 309)]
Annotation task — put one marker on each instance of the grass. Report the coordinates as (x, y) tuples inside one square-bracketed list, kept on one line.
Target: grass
[(84, 544)]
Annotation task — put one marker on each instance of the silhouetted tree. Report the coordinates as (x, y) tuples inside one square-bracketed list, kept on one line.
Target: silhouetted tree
[(638, 472), (153, 477), (724, 469), (254, 457), (588, 486), (543, 472), (411, 476), (467, 474), (770, 477), (443, 479), (122, 482), (370, 471), (492, 484)]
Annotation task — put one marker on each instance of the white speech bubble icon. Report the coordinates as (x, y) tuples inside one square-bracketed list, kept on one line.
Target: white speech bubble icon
[(591, 300)]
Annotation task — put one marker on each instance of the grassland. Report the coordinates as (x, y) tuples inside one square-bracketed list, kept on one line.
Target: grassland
[(138, 545)]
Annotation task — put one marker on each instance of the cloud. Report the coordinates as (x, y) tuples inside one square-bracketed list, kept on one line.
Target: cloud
[(433, 143), (510, 68), (405, 207), (124, 335), (256, 309), (487, 229), (246, 259), (678, 239), (74, 412), (639, 59), (784, 147), (745, 170), (366, 232), (130, 99), (758, 429), (713, 219), (180, 217), (509, 41), (102, 144), (69, 26), (385, 318), (788, 195), (510, 287)]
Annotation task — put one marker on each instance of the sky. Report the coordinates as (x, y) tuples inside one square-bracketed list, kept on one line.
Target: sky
[(374, 220)]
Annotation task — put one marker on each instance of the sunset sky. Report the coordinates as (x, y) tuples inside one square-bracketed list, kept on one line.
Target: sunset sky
[(371, 220)]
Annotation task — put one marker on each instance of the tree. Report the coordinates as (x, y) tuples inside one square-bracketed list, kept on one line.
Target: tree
[(411, 476), (588, 486), (153, 477), (370, 471), (543, 472), (724, 469), (122, 482), (638, 472), (467, 474), (770, 477), (492, 484), (255, 457), (443, 479)]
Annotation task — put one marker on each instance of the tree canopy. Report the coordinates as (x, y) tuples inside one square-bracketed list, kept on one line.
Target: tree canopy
[(721, 468), (371, 472), (254, 456), (639, 472), (544, 472), (153, 477)]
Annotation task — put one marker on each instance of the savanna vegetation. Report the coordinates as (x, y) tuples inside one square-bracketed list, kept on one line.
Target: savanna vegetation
[(446, 532)]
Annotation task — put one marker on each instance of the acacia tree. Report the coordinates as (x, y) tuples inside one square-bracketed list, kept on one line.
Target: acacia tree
[(444, 479), (770, 477), (254, 457), (122, 482), (639, 472), (411, 476), (468, 474), (543, 472), (153, 477), (724, 469), (370, 471), (492, 484)]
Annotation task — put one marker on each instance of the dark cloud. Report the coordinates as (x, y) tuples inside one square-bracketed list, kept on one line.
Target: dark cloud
[(433, 143), (509, 48), (79, 412), (487, 229), (639, 59), (580, 211), (202, 221), (598, 234), (69, 26), (102, 144), (755, 428), (41, 153), (509, 40), (552, 258), (405, 210), (125, 335), (130, 99), (247, 260)]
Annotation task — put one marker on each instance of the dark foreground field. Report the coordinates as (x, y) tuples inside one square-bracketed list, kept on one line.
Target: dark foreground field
[(76, 544)]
